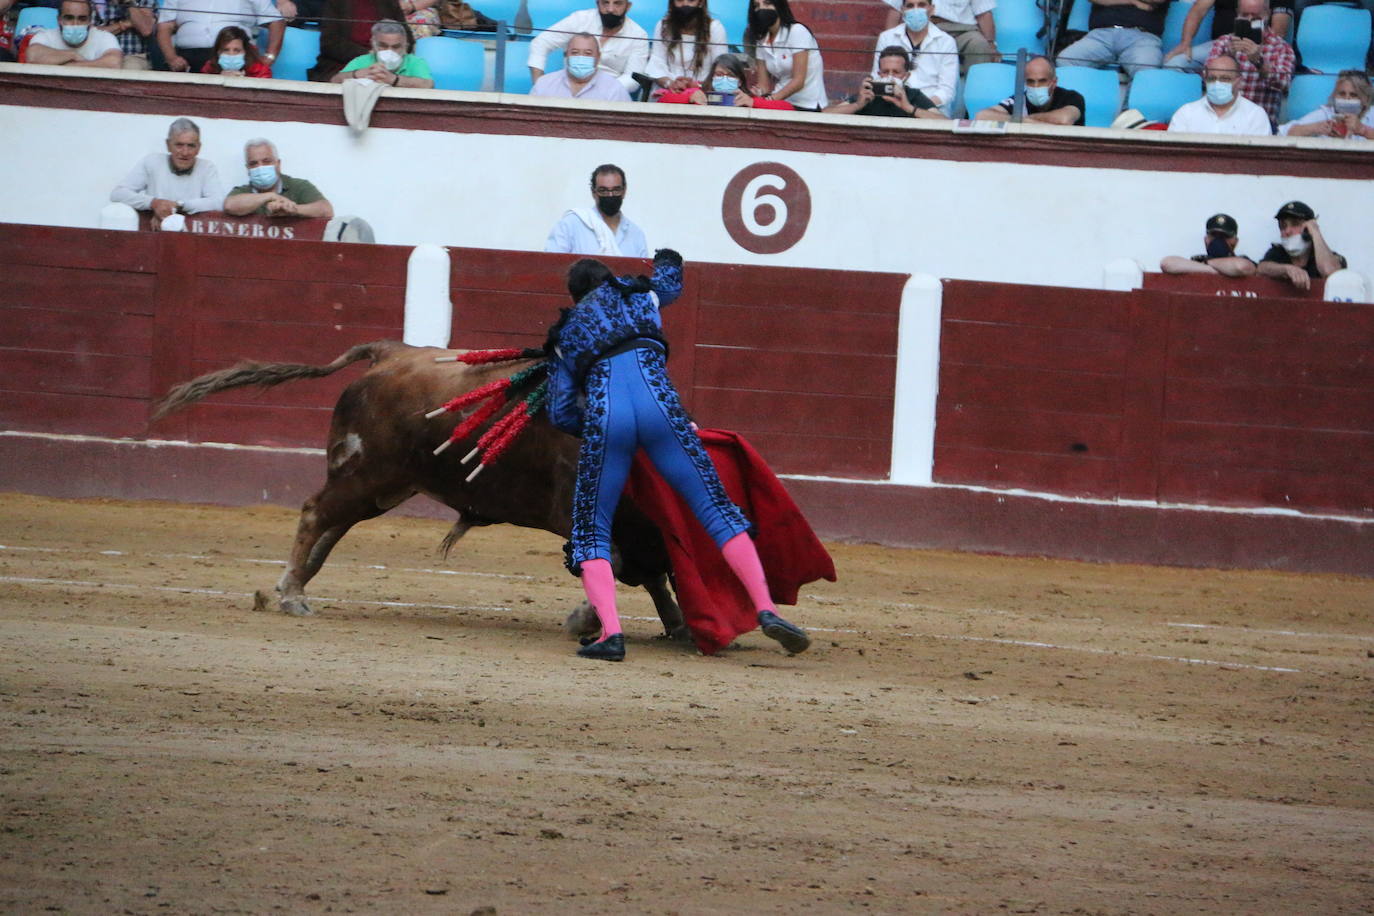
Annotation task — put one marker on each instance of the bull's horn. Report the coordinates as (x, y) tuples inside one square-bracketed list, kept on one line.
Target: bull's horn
[(475, 471), (436, 411), (471, 455), (446, 359), (443, 445)]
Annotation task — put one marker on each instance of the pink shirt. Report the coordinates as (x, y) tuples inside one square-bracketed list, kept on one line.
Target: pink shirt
[(602, 87)]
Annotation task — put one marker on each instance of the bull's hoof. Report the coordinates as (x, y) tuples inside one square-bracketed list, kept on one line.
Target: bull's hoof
[(582, 621), (295, 606), (681, 633), (261, 601)]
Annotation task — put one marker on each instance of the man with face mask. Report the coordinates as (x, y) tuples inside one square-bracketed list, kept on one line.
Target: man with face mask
[(603, 229), (271, 192), (390, 61), (1301, 253), (74, 42), (934, 55), (1222, 109), (1046, 102), (900, 101), (624, 44), (177, 181), (1266, 60), (1219, 257), (581, 76)]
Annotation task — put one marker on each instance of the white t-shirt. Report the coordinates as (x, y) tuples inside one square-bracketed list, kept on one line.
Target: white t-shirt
[(625, 52), (963, 11), (1244, 118), (777, 58), (679, 63), (199, 21), (97, 44), (935, 70)]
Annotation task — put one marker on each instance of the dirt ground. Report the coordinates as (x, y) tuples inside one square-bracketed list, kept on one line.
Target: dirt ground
[(968, 734)]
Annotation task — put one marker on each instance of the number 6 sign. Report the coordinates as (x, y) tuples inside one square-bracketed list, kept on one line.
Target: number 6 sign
[(766, 208)]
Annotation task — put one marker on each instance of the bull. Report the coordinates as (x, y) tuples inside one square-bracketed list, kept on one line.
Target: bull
[(380, 453)]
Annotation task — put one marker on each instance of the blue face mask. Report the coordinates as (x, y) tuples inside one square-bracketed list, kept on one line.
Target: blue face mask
[(916, 19), (232, 61), (725, 84), (1038, 95), (1219, 93), (581, 67), (263, 177), (75, 35)]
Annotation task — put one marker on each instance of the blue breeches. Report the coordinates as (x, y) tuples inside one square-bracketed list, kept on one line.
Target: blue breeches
[(632, 404)]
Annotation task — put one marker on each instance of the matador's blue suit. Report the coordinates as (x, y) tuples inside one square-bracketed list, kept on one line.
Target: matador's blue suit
[(610, 385)]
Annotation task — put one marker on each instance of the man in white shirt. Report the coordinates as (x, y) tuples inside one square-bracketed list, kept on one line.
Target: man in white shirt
[(934, 55), (603, 230), (1222, 109), (74, 43), (581, 76), (186, 29), (969, 23), (177, 181), (624, 45)]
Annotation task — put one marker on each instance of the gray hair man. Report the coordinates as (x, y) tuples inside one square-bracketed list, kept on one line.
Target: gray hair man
[(270, 191), (177, 181), (390, 62)]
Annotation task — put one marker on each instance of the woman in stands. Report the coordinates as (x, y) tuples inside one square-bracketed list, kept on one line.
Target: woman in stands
[(729, 86), (686, 40), (789, 60), (1348, 113), (609, 384), (235, 54)]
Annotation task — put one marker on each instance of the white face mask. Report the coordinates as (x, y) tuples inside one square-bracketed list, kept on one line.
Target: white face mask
[(1346, 106), (1294, 244), (389, 59)]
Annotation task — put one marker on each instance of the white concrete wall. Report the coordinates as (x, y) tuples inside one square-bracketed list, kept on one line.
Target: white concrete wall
[(980, 221)]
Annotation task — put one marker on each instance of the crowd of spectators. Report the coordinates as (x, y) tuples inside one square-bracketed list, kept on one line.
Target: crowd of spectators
[(1246, 67)]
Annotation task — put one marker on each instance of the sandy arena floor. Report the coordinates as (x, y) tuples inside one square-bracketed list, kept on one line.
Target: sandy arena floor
[(968, 735)]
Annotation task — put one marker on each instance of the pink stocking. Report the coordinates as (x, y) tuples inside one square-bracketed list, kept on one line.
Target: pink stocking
[(744, 560), (599, 583)]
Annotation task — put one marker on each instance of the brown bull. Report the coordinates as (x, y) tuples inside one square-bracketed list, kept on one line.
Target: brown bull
[(381, 453)]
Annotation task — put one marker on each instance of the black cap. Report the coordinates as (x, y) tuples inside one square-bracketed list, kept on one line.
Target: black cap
[(1295, 209), (1224, 224)]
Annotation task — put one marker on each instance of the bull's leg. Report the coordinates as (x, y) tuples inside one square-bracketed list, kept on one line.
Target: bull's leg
[(674, 625)]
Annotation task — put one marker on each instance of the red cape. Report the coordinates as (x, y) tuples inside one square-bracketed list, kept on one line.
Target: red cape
[(715, 605)]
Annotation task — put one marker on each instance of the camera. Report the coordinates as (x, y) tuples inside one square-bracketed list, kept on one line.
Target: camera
[(720, 98), (1244, 28), (883, 88)]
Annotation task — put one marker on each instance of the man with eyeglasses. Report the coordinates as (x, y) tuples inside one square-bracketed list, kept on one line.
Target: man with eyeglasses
[(1222, 109), (603, 229)]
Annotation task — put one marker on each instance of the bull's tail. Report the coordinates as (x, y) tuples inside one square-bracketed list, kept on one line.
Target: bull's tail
[(264, 375)]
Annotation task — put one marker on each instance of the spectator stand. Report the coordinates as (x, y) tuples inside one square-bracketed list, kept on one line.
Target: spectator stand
[(1101, 90), (1173, 25), (1157, 94), (1020, 24), (1308, 92), (1332, 38)]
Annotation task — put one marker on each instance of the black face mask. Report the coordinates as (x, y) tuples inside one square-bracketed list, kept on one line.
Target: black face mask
[(762, 20), (684, 14), (1217, 247), (609, 206), (611, 20)]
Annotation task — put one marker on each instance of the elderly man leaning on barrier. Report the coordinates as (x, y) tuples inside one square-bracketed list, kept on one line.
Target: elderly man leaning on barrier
[(581, 76), (177, 181), (1221, 235), (1222, 109), (1046, 102), (74, 42), (390, 62), (624, 44), (271, 192)]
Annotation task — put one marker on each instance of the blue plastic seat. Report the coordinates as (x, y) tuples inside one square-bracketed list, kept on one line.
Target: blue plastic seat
[(1308, 92), (1101, 91), (1157, 94), (518, 67), (454, 63), (300, 50), (734, 15), (1332, 38), (545, 13), (988, 84), (1078, 16), (1017, 22), (1173, 26), (42, 16)]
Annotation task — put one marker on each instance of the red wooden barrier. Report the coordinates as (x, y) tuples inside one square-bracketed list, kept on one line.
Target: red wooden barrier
[(1175, 398), (286, 228), (1244, 287)]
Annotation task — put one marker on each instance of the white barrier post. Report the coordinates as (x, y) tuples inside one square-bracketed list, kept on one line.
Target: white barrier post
[(1122, 275), (1346, 286), (917, 383), (429, 314), (119, 216)]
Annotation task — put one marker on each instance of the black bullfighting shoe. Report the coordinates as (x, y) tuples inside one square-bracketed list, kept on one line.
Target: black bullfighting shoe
[(610, 649), (792, 637)]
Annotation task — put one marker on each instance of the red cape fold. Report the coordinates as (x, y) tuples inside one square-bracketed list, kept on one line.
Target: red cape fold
[(714, 603)]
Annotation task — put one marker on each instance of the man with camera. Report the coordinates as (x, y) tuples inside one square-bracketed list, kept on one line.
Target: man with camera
[(886, 94), (1301, 253), (1219, 257), (934, 57), (1046, 102), (1266, 60)]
